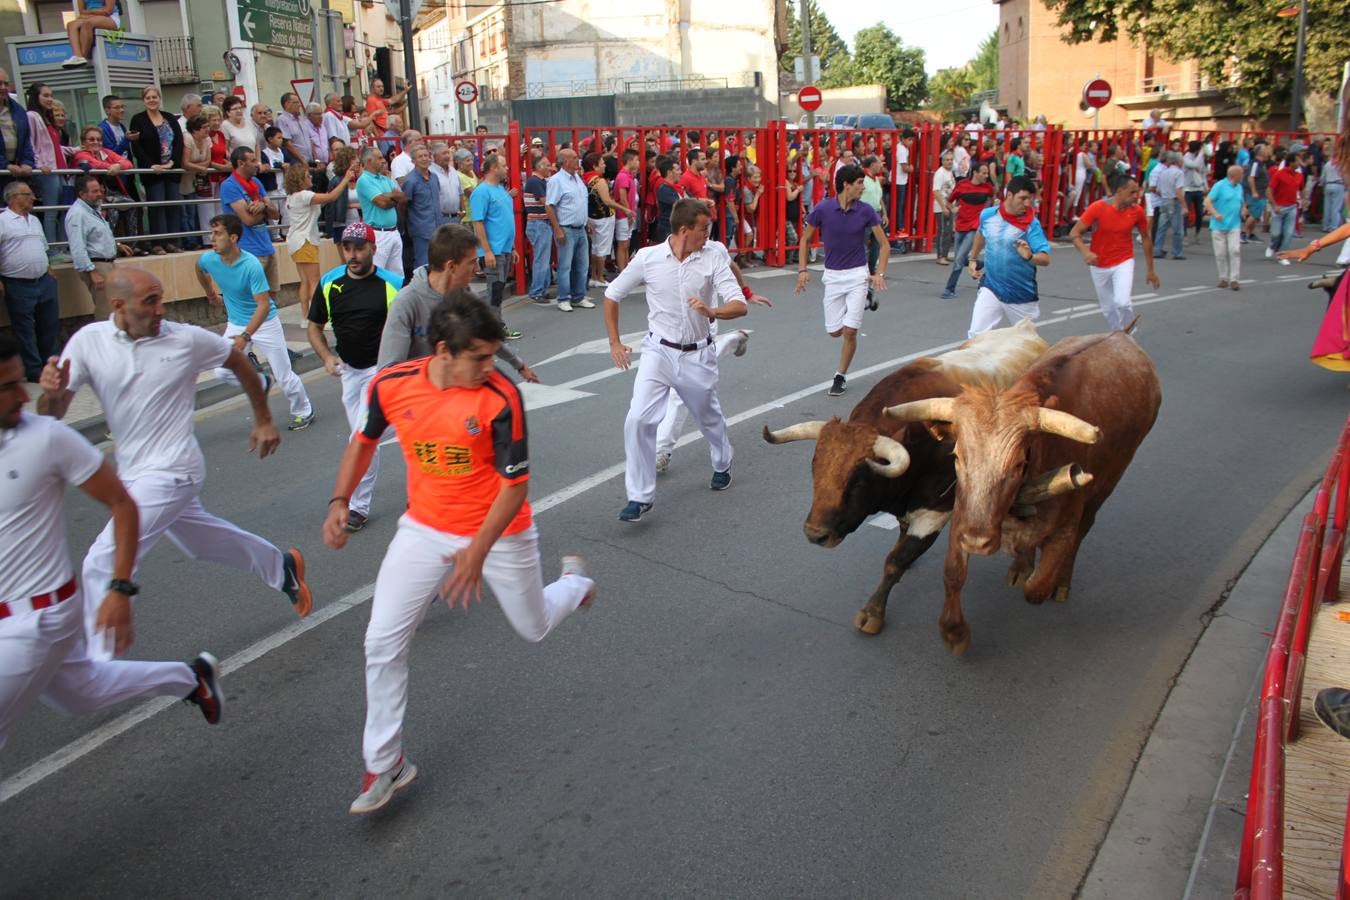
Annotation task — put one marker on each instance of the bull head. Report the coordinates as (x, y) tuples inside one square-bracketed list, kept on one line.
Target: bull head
[(891, 457)]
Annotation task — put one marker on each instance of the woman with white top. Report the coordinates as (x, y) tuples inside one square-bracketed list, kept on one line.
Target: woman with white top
[(1195, 181), (302, 241), (238, 130), (196, 183)]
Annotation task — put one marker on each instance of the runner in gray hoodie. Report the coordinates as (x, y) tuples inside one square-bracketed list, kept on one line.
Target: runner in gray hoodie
[(451, 259)]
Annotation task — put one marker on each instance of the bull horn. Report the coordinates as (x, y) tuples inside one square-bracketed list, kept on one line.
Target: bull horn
[(802, 431), (1053, 483), (895, 454), (1053, 421), (934, 409)]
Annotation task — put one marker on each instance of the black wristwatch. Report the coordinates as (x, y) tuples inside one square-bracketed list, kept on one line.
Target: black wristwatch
[(129, 588)]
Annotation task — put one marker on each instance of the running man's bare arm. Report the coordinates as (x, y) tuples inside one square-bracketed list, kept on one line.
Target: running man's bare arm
[(804, 255), (264, 437), (255, 321), (879, 279), (56, 393), (466, 575), (355, 462)]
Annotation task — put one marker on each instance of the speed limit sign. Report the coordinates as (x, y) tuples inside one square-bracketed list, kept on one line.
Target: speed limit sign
[(466, 92)]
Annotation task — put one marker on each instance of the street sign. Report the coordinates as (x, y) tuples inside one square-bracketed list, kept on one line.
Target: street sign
[(809, 98), (466, 92), (806, 69), (1097, 93), (284, 23), (304, 89)]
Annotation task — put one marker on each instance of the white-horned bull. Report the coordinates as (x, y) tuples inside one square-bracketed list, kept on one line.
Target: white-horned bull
[(872, 464), (1078, 415)]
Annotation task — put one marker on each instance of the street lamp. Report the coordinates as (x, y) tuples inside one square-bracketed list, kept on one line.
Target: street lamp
[(1296, 108)]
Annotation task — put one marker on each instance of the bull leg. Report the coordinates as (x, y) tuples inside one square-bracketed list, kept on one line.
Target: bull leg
[(1056, 555), (872, 617), (1022, 566), (1064, 578), (952, 624)]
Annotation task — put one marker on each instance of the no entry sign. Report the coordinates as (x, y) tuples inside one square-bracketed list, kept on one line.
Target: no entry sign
[(809, 98), (1097, 93), (466, 92)]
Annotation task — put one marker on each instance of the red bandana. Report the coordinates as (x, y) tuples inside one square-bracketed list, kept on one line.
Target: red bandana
[(1023, 221), (250, 187)]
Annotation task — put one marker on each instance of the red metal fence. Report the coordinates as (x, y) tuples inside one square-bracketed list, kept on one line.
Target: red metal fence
[(1315, 577)]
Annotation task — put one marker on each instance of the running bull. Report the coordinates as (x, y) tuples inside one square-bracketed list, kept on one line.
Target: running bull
[(873, 464), (1081, 410)]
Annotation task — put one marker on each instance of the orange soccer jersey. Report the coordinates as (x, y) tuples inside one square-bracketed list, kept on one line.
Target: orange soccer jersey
[(460, 444)]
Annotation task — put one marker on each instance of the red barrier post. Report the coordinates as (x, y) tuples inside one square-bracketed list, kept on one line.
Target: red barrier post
[(513, 174)]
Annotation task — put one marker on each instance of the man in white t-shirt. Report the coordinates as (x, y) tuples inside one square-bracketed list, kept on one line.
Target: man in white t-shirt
[(144, 373), (42, 637), (402, 163)]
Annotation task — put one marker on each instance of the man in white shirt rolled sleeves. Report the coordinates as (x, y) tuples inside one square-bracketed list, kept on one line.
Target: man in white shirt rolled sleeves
[(26, 284), (687, 286), (93, 249), (144, 372)]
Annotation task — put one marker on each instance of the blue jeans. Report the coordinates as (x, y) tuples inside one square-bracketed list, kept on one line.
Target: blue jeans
[(573, 263), (49, 194), (1171, 214), (1333, 205), (1282, 220), (960, 257), (35, 316), (419, 251), (190, 220), (540, 236), (161, 219)]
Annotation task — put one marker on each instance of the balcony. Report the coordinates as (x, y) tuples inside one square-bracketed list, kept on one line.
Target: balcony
[(173, 58)]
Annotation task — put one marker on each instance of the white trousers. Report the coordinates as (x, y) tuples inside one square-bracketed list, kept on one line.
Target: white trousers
[(413, 570), (389, 251), (170, 507), (354, 384), (990, 311), (1227, 252), (42, 657), (1113, 293), (668, 432), (693, 376), (269, 342)]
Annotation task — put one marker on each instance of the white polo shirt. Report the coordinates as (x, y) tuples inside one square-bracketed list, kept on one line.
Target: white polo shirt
[(23, 246), (37, 460), (400, 166), (147, 388), (705, 274)]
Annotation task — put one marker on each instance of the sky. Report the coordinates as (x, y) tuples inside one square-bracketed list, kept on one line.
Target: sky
[(949, 31)]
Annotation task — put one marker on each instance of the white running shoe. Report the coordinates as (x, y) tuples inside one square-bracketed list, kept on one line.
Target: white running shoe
[(597, 284), (565, 305), (585, 303), (575, 564), (1269, 253), (377, 790), (75, 62), (662, 462), (742, 338)]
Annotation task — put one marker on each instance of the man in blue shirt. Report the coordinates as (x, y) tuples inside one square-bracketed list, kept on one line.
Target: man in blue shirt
[(494, 224), (380, 197), (844, 222), (251, 314), (1013, 244), (565, 203), (423, 191), (243, 196), (1226, 208)]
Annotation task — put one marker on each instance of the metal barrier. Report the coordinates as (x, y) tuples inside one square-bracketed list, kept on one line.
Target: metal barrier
[(1314, 578)]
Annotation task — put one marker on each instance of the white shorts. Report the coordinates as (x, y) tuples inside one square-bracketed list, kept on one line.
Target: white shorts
[(623, 230), (845, 297), (602, 236)]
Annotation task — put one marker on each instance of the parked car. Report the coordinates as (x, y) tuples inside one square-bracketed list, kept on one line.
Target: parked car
[(876, 122)]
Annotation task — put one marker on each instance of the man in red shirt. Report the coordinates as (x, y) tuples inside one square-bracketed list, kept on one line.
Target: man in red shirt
[(971, 196), (1286, 186), (694, 182), (1110, 259), (461, 425)]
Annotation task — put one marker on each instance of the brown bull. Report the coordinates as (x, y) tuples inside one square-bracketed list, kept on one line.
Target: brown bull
[(872, 464), (1087, 405)]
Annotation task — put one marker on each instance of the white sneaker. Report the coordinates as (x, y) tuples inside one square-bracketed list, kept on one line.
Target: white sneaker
[(565, 305), (585, 303), (662, 462), (377, 790), (1284, 262), (1269, 253), (742, 339), (575, 564), (599, 284), (75, 62)]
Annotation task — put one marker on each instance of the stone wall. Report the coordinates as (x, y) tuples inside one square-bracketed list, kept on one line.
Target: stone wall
[(739, 107)]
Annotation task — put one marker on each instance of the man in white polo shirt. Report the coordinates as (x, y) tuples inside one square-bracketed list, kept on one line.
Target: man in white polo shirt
[(144, 372), (42, 644), (688, 285)]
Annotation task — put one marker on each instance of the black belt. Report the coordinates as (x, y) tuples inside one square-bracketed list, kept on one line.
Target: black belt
[(684, 348), (100, 259), (23, 280), (384, 229)]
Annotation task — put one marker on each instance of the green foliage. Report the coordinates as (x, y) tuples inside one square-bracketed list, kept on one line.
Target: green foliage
[(826, 43), (984, 66), (1237, 43), (951, 89), (880, 57)]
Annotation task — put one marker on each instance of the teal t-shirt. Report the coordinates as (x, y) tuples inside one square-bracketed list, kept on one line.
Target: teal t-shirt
[(492, 206), (368, 187), (1226, 197), (239, 284)]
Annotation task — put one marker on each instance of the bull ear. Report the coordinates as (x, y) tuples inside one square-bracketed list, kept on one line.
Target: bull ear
[(940, 431), (933, 409), (1053, 421)]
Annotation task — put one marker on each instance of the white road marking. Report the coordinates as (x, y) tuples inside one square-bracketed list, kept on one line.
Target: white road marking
[(1290, 277), (83, 746), (884, 520), (599, 345), (1196, 287), (1144, 296), (769, 273), (539, 396)]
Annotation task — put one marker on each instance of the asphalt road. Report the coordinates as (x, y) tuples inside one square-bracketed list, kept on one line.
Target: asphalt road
[(714, 726)]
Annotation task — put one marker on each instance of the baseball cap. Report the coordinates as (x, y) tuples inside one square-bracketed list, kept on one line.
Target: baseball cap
[(358, 231), (537, 142)]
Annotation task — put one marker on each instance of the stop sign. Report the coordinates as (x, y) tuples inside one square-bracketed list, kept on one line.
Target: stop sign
[(809, 98), (1097, 93)]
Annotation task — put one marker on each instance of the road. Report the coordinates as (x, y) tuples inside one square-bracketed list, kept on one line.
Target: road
[(714, 726)]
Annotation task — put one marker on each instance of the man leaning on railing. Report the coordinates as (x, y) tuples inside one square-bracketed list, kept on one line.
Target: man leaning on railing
[(92, 245)]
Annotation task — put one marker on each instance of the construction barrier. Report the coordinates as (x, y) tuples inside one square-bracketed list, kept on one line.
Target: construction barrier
[(1313, 579)]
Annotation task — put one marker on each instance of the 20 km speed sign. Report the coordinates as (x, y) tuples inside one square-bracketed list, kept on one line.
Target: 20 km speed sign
[(466, 92)]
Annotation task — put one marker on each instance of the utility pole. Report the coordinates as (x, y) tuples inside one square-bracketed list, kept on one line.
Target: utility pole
[(811, 75), (1296, 110), (414, 119), (317, 25)]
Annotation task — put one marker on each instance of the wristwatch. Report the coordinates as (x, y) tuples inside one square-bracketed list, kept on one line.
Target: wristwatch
[(129, 588)]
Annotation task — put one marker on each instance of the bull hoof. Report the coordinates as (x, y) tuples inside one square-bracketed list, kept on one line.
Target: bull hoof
[(869, 621), (1036, 598), (957, 638), (1017, 577), (1062, 593)]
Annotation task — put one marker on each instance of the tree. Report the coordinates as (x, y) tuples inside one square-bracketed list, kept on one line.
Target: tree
[(880, 57), (984, 66), (1238, 43), (950, 89), (825, 42)]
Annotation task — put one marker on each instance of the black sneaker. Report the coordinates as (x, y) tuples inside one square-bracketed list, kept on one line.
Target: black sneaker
[(721, 480), (871, 301), (207, 696), (265, 375), (1333, 708), (634, 511), (838, 387), (300, 423), (355, 522)]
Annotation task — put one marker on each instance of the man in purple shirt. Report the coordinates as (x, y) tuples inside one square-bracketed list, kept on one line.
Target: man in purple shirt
[(844, 222)]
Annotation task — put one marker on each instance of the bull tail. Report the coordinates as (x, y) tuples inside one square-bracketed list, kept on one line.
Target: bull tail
[(1134, 323)]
